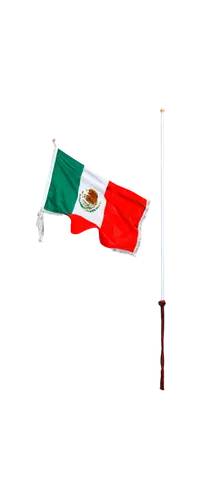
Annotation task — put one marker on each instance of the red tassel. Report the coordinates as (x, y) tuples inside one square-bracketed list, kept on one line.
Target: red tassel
[(162, 303)]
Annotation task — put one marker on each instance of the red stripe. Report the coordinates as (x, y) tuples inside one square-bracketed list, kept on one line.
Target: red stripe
[(123, 212), (79, 224), (122, 215)]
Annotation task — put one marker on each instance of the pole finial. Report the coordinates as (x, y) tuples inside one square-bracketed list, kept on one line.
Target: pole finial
[(162, 109), (54, 140)]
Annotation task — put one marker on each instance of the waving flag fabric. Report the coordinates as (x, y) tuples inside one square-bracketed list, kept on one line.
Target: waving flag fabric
[(107, 210)]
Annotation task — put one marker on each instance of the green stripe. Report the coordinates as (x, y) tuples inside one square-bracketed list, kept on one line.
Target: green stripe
[(64, 185)]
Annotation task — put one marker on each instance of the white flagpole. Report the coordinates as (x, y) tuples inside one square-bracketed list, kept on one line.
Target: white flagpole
[(162, 301), (164, 203)]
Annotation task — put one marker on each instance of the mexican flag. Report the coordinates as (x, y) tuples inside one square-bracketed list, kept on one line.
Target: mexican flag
[(92, 202)]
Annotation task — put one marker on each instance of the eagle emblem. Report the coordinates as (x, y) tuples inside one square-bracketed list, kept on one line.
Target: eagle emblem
[(88, 200)]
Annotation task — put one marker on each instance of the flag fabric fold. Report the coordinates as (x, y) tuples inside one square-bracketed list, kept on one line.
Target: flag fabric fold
[(93, 202)]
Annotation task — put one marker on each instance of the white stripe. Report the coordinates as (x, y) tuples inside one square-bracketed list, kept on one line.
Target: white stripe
[(49, 176), (90, 180)]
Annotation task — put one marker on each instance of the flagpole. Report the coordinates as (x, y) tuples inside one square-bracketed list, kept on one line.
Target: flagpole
[(164, 246), (164, 203)]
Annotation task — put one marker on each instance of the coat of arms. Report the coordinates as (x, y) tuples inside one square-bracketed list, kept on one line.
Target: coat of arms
[(88, 200)]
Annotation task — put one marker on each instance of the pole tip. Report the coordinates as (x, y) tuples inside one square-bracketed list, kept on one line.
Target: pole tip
[(54, 139), (162, 109)]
